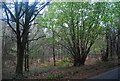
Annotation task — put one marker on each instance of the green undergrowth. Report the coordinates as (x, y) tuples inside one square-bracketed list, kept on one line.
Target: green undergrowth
[(72, 72), (55, 76), (42, 70), (65, 63), (60, 76), (109, 64)]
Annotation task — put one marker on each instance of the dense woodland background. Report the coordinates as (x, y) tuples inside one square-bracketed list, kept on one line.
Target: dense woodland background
[(47, 34)]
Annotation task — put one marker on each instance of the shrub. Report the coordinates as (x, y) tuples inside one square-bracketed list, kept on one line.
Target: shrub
[(45, 70), (108, 64), (61, 67), (73, 72), (65, 63)]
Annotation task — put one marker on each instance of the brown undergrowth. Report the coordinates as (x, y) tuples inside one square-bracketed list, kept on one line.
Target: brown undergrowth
[(82, 72)]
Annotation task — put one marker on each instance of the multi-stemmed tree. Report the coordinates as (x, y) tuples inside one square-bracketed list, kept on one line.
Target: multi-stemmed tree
[(77, 25)]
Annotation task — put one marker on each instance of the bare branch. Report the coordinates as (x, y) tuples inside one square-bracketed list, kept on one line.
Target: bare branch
[(11, 14), (9, 23), (37, 38), (21, 4), (41, 8), (64, 46)]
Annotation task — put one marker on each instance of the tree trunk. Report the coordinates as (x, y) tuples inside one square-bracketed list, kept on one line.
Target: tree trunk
[(20, 52), (20, 57), (118, 49), (54, 56), (27, 57), (111, 47), (27, 65), (25, 62), (21, 48), (105, 56), (79, 61)]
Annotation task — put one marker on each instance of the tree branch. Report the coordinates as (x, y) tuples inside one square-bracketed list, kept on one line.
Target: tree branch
[(41, 8), (11, 14), (37, 38), (9, 23)]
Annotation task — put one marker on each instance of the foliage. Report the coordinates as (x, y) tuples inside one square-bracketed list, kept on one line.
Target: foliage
[(109, 64), (79, 28), (65, 63), (37, 72), (45, 70), (72, 72), (98, 46), (78, 32)]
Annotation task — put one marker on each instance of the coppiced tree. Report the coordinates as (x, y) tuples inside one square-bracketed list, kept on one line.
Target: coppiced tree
[(78, 25)]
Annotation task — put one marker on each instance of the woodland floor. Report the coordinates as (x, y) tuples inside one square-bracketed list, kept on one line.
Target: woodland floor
[(64, 72), (83, 72)]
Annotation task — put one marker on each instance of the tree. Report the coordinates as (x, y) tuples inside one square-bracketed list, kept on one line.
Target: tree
[(21, 15), (109, 20), (76, 24), (50, 25), (117, 8)]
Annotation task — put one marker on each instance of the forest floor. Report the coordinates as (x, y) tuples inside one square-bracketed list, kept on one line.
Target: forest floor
[(64, 72), (83, 72)]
